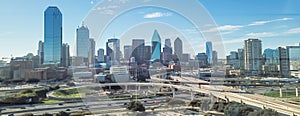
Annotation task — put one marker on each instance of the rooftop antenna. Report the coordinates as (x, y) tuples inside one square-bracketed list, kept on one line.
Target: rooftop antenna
[(82, 23)]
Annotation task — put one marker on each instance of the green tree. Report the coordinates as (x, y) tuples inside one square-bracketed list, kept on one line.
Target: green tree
[(237, 109), (264, 112), (219, 106), (62, 113), (195, 103), (135, 106)]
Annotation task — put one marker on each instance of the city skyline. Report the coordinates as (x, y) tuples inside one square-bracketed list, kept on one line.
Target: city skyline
[(149, 57), (284, 19)]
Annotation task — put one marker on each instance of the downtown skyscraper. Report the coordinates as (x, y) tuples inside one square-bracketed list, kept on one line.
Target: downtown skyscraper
[(91, 53), (253, 56), (52, 35), (65, 59), (40, 52), (156, 47), (113, 52), (178, 47), (82, 41), (127, 52), (100, 54), (138, 50), (209, 52), (167, 51)]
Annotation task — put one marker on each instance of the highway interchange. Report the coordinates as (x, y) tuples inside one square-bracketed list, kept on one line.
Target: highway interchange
[(95, 105)]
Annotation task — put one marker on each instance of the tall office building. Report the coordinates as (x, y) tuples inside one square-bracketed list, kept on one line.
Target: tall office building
[(202, 60), (92, 52), (178, 47), (168, 43), (271, 57), (127, 52), (41, 52), (138, 50), (233, 60), (82, 41), (113, 50), (241, 55), (100, 55), (209, 52), (294, 57), (65, 62), (284, 62), (185, 58), (52, 35), (167, 51), (147, 54), (253, 56), (271, 62), (156, 47), (215, 57)]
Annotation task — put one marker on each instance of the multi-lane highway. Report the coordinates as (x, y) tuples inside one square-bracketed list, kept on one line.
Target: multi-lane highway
[(214, 90)]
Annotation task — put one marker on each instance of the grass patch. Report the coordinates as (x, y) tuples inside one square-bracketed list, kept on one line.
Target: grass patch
[(69, 93), (52, 101), (285, 94)]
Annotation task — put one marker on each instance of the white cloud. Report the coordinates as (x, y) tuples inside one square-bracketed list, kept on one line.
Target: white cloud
[(157, 15), (293, 31), (108, 7), (269, 21), (261, 34), (225, 28), (109, 10), (230, 27)]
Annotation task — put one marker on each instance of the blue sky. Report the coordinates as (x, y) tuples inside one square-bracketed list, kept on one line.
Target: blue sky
[(275, 22)]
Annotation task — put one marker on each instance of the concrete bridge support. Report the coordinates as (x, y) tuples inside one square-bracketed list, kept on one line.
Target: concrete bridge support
[(297, 94), (192, 95), (280, 92), (139, 87), (173, 91), (126, 87)]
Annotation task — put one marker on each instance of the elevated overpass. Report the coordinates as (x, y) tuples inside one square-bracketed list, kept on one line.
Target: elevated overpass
[(284, 108)]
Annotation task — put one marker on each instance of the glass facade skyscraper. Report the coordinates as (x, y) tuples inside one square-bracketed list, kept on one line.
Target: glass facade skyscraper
[(41, 52), (82, 41), (178, 47), (52, 35), (294, 57), (284, 62), (156, 47), (113, 52), (91, 52), (271, 56), (241, 55), (138, 50), (65, 62), (127, 52), (100, 55), (167, 51), (209, 52), (253, 56)]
